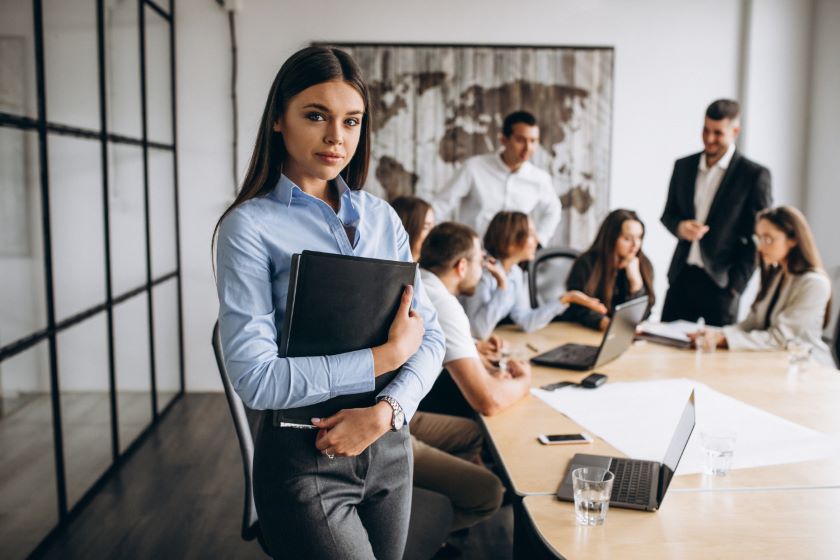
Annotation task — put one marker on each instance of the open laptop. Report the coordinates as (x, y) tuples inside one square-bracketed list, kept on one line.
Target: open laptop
[(617, 339), (638, 484)]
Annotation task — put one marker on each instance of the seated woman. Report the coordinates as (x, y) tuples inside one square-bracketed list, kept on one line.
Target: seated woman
[(614, 270), (417, 217), (511, 240), (794, 297)]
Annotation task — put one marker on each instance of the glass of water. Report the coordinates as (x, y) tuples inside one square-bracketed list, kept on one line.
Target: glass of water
[(592, 487), (718, 449), (799, 353)]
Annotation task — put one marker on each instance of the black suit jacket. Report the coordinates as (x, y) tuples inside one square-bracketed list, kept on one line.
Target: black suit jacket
[(727, 248)]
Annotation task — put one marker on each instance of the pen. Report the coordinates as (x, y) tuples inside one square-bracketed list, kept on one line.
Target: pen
[(531, 347)]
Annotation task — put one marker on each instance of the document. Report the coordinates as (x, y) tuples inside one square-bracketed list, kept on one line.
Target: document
[(639, 419)]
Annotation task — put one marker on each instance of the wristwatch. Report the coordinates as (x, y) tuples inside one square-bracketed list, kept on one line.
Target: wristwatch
[(398, 416)]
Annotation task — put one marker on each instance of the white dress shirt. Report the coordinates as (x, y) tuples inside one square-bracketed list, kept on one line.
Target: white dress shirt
[(485, 186), (705, 187)]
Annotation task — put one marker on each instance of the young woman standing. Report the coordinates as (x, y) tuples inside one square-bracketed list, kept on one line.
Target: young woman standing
[(342, 490)]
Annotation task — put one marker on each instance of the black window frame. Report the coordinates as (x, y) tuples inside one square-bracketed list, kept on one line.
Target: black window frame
[(46, 129)]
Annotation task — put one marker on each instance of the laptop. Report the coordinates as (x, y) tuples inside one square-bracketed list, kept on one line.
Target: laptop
[(638, 484), (617, 339)]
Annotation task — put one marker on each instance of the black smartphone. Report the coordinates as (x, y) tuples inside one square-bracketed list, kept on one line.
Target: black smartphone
[(593, 380)]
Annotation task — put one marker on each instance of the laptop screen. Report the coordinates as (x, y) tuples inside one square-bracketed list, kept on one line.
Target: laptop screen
[(622, 330), (677, 445)]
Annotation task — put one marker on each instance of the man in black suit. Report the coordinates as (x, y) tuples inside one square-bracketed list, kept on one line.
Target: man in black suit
[(712, 202)]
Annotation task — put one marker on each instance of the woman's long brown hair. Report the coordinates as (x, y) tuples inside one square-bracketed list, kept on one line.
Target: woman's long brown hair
[(412, 211), (306, 68), (601, 283), (802, 257)]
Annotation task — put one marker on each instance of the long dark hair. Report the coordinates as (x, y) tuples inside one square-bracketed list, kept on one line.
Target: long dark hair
[(412, 211), (306, 68), (802, 257), (601, 281)]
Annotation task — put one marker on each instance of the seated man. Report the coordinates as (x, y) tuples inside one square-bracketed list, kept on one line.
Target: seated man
[(451, 265)]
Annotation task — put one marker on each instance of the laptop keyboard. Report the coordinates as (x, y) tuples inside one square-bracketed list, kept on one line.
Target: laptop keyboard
[(632, 481), (572, 353)]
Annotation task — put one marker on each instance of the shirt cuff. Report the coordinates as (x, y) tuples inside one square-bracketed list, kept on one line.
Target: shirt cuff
[(353, 374)]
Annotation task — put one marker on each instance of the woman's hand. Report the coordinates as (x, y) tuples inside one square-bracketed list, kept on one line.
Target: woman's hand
[(404, 337), (579, 298), (707, 339), (350, 431), (632, 268), (493, 266)]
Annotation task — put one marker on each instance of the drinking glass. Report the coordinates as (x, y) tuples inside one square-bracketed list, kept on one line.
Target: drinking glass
[(592, 487), (799, 354), (718, 448)]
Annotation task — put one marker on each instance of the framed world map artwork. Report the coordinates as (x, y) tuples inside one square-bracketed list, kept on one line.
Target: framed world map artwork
[(436, 105)]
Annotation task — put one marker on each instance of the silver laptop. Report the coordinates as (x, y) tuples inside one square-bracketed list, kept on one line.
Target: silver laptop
[(617, 339), (638, 484)]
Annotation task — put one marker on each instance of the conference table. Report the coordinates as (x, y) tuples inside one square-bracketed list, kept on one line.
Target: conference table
[(784, 510)]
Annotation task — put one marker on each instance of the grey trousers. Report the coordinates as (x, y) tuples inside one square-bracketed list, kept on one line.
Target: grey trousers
[(310, 506)]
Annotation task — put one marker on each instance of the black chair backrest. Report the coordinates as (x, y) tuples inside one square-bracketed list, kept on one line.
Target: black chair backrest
[(546, 274), (835, 343), (250, 521)]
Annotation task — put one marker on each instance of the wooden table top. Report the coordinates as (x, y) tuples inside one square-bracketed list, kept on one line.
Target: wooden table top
[(810, 398), (720, 524)]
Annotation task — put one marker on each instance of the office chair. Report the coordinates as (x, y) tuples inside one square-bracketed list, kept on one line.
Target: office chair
[(835, 343), (431, 513), (250, 521), (547, 273)]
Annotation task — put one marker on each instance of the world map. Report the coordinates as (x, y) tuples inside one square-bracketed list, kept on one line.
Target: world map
[(434, 107)]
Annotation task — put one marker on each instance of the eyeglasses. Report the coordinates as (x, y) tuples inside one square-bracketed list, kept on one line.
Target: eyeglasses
[(763, 239)]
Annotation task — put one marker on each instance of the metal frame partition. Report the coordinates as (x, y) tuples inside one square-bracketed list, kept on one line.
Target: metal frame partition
[(47, 130)]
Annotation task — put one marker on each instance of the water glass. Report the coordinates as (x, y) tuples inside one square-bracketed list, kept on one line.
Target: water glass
[(799, 353), (718, 448), (504, 357), (592, 487)]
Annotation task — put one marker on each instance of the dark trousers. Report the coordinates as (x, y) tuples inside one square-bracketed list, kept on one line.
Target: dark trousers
[(311, 506), (694, 294)]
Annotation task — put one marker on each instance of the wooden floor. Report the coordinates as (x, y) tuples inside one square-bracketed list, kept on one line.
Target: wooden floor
[(28, 502), (180, 496)]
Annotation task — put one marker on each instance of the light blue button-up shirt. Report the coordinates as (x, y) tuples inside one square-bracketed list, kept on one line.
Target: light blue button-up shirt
[(489, 305), (254, 252)]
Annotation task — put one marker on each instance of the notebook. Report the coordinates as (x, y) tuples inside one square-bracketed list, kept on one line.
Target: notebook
[(336, 304)]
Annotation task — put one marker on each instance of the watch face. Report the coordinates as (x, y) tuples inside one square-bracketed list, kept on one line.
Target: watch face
[(399, 419)]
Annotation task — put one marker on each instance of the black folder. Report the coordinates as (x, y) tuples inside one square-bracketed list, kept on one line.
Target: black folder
[(336, 304)]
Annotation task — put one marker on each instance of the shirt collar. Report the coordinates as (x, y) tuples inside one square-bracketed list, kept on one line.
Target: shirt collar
[(723, 162), (286, 189), (523, 169)]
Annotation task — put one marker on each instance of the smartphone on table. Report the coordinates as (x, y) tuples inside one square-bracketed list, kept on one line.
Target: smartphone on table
[(563, 439)]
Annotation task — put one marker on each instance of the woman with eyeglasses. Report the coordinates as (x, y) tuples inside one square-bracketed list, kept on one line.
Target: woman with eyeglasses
[(794, 298)]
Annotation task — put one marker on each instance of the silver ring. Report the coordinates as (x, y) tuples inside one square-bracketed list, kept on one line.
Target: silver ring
[(328, 454)]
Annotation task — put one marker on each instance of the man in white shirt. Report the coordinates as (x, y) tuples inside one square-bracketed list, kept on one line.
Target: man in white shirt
[(712, 202), (450, 266), (489, 183)]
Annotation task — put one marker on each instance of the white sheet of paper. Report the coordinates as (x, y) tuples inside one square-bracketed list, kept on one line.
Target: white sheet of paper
[(639, 419)]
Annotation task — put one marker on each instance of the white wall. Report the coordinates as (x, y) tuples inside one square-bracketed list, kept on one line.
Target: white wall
[(822, 198), (672, 59), (777, 102)]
